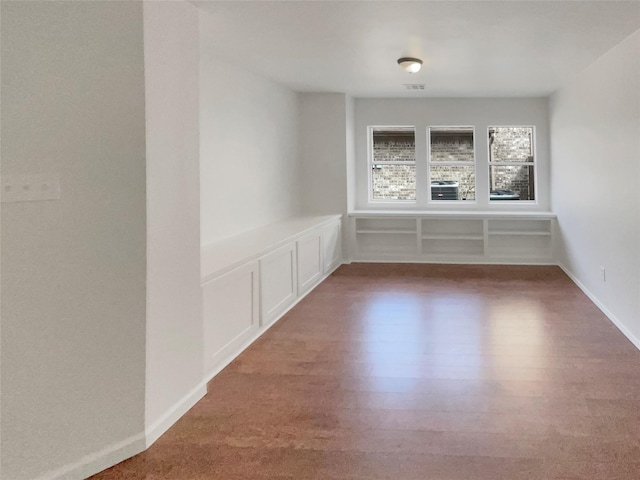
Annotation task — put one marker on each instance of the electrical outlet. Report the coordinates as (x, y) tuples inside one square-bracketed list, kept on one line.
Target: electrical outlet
[(603, 274), (30, 188)]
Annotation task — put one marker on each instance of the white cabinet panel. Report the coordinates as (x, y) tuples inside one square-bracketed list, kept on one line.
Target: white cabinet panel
[(277, 282), (230, 308), (331, 246), (250, 280), (309, 261)]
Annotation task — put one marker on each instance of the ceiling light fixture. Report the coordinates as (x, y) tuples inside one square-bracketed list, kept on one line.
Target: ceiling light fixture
[(410, 64)]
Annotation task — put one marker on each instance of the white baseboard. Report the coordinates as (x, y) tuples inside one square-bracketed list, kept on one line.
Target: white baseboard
[(171, 416), (625, 331), (98, 461)]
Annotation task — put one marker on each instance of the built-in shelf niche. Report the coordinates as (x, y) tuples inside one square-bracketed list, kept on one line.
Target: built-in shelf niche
[(519, 246), (519, 227), (457, 247), (526, 239), (386, 225), (386, 237), (489, 237), (445, 237)]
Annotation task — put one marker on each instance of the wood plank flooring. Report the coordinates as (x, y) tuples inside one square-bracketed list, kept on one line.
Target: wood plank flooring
[(419, 372)]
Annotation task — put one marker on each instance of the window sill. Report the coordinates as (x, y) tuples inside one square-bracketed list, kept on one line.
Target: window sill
[(454, 213)]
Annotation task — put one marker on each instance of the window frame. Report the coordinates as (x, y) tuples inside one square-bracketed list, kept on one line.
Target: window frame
[(473, 164), (516, 164), (371, 163)]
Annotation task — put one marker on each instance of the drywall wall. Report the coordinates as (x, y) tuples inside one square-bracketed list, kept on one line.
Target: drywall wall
[(174, 303), (73, 269), (595, 152), (249, 169), (351, 155), (326, 151), (323, 152), (480, 113)]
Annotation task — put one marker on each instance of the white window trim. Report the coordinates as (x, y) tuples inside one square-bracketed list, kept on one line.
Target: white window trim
[(473, 164)]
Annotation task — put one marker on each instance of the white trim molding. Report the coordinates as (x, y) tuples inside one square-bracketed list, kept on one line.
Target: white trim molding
[(172, 415), (96, 462)]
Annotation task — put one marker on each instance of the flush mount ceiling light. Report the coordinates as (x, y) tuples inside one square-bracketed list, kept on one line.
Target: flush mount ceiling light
[(410, 64)]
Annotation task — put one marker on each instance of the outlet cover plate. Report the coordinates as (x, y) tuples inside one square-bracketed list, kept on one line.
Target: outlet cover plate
[(30, 188)]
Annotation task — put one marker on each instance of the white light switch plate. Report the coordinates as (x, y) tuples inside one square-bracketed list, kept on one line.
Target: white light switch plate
[(30, 188)]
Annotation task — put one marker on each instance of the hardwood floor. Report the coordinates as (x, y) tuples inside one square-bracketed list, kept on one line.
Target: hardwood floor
[(419, 372)]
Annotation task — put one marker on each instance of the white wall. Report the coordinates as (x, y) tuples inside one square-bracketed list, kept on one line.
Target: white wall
[(595, 128), (326, 153), (351, 155), (174, 304), (480, 113), (73, 270), (323, 152), (249, 169)]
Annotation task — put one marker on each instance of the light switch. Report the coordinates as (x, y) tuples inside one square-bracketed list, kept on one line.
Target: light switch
[(30, 188)]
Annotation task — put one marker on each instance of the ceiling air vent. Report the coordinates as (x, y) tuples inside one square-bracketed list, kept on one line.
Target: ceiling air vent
[(414, 86)]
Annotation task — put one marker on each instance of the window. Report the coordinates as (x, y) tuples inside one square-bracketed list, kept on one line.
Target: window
[(443, 174), (393, 163), (452, 170), (511, 163)]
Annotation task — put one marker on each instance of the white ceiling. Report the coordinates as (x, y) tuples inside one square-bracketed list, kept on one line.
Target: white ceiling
[(469, 48)]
